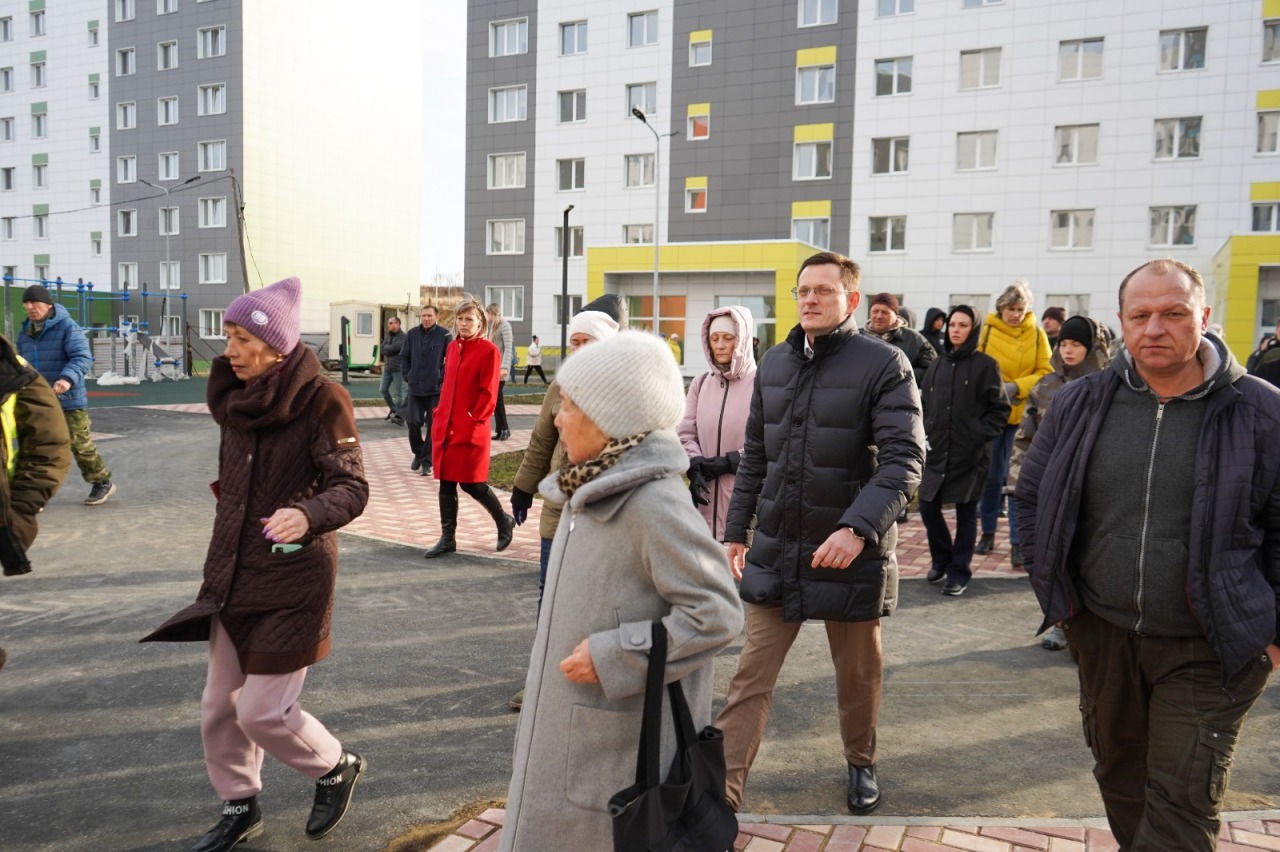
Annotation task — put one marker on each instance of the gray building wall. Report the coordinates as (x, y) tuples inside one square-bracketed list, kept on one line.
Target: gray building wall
[(751, 87), (149, 139), (483, 139)]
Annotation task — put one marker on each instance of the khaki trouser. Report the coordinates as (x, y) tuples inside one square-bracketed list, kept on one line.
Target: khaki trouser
[(92, 467), (856, 653)]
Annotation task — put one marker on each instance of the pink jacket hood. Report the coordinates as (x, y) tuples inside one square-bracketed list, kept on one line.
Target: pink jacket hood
[(744, 358)]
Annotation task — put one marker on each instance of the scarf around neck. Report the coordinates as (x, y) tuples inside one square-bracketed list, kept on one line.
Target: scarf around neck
[(573, 476)]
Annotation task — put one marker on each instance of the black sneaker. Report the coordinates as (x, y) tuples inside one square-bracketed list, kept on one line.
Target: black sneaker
[(936, 574), (333, 795), (241, 821), (100, 492), (954, 590)]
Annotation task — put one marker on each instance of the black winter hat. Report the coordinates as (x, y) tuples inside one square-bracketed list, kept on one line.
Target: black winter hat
[(37, 293), (1081, 330)]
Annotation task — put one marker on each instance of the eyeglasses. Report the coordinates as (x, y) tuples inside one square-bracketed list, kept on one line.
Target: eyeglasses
[(798, 293)]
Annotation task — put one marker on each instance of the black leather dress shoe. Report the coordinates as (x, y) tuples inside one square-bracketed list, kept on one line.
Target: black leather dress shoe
[(864, 789), (241, 821), (333, 795)]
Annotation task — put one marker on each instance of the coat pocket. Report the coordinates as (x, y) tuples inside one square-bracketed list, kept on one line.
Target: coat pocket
[(601, 756), (1210, 769)]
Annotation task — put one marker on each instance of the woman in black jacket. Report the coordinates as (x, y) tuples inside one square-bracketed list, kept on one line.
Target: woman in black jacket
[(964, 409)]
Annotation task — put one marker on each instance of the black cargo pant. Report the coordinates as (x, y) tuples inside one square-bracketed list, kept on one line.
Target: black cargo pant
[(1162, 729)]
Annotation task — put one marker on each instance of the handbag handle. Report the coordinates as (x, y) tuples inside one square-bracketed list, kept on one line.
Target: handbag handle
[(648, 758)]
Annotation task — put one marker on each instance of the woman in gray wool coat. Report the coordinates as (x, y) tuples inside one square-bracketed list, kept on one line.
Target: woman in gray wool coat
[(630, 549)]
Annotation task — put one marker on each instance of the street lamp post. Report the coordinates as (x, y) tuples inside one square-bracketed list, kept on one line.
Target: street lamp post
[(657, 202), (166, 190)]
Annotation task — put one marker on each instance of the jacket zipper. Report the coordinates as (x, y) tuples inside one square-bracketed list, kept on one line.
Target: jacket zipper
[(715, 491), (1146, 514)]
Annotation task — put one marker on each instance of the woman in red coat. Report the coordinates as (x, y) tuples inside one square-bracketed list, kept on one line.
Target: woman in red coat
[(460, 426)]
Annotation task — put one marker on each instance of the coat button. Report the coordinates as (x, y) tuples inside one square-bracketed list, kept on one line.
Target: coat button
[(637, 639)]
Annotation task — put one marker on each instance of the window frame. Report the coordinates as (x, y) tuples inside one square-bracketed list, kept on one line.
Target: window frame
[(649, 37), (1183, 56), (174, 217), (812, 222), (898, 10), (692, 127), (1073, 228), (522, 37), (974, 232), (126, 10), (1271, 28), (39, 74), (211, 203), (645, 163), (126, 168), (896, 77), (648, 107), (691, 196), (823, 72), (1177, 140), (577, 242), (1265, 117), (127, 110), (980, 137), (626, 234), (207, 262), (797, 159), (161, 108), (217, 37), (819, 6), (694, 46), (161, 159), (1079, 56), (1170, 225), (203, 147), (1076, 147), (204, 91), (517, 236), (982, 53), (574, 101), (6, 79), (1272, 209), (211, 324), (577, 174), (127, 222), (892, 225), (126, 64), (520, 91), (39, 125), (581, 38), (36, 23), (163, 47), (498, 293), (521, 165), (39, 175), (894, 145)]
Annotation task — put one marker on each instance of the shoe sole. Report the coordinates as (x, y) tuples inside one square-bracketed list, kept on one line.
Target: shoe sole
[(105, 497), (955, 594), (346, 806), (937, 579), (251, 832), (864, 811)]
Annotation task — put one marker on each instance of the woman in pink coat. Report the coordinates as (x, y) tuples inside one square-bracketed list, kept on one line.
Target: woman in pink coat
[(715, 412)]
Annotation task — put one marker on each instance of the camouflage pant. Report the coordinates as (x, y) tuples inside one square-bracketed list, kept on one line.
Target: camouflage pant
[(92, 467)]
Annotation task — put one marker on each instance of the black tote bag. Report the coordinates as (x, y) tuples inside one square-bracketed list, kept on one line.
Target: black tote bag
[(686, 812)]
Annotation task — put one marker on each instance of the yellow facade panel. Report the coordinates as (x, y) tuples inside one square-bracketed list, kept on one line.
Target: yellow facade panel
[(1235, 270), (699, 109), (814, 132), (1269, 99), (1264, 191), (816, 56), (1270, 9), (699, 36), (810, 209), (695, 182)]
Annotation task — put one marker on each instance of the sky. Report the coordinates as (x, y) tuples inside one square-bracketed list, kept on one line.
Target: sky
[(444, 60)]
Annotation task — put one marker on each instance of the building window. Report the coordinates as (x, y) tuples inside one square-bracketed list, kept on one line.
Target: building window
[(980, 69), (42, 271), (1266, 217), (95, 193), (975, 151), (211, 324), (571, 175), (508, 38), (642, 96), (95, 142), (127, 223), (126, 115), (39, 125), (971, 231), (887, 233), (6, 29), (639, 170), (506, 171), (125, 10), (38, 78), (95, 245), (1173, 226), (213, 268), (816, 84), (508, 104), (1268, 127), (637, 234), (6, 79), (893, 76), (811, 160), (1076, 145), (167, 111), (699, 53), (167, 165), (642, 29), (1071, 229), (573, 106), (126, 61), (817, 12), (93, 36), (699, 126), (126, 169), (95, 89), (213, 212), (889, 155), (695, 199), (509, 299), (40, 176), (1177, 138), (506, 236), (1182, 50), (9, 228), (816, 232), (37, 23), (8, 129), (169, 221), (573, 38), (974, 4), (166, 7), (576, 246), (575, 306), (1271, 41), (891, 8), (8, 179), (1080, 59), (213, 99), (213, 156), (166, 56), (211, 41)]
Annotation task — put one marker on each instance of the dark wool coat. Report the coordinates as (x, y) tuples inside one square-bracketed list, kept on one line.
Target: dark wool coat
[(1233, 566), (288, 440), (460, 426), (964, 409), (833, 441)]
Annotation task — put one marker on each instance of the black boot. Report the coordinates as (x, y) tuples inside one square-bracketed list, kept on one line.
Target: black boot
[(241, 821), (864, 789), (985, 543), (333, 795), (448, 525), (506, 523)]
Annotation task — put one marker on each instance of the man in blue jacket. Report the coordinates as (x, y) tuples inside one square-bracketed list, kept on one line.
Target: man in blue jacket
[(1149, 503), (422, 359), (55, 345)]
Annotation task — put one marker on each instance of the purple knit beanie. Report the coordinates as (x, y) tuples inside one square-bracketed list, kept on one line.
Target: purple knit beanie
[(271, 314)]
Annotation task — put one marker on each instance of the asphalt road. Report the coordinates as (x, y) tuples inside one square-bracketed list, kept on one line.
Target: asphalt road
[(99, 738)]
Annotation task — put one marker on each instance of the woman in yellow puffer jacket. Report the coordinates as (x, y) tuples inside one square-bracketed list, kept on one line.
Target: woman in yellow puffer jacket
[(1021, 348)]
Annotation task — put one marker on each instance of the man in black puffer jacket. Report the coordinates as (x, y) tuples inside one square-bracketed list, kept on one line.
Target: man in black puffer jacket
[(834, 447), (1149, 503)]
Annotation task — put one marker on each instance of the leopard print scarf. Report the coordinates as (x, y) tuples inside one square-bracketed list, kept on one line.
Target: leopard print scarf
[(572, 476)]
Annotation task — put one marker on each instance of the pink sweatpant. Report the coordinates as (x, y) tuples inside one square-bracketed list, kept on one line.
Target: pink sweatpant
[(242, 716)]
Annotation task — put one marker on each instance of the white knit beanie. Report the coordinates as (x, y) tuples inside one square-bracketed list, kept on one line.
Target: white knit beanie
[(596, 324), (626, 384)]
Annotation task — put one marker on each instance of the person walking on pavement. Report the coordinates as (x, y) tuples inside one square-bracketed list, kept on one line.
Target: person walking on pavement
[(54, 343), (1051, 321), (533, 361), (501, 335), (1149, 502), (422, 359), (290, 474), (885, 322), (392, 386), (964, 410), (460, 432), (35, 451), (715, 413), (834, 448)]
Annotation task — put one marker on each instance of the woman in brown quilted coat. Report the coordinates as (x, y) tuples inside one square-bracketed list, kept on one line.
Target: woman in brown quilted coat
[(290, 475)]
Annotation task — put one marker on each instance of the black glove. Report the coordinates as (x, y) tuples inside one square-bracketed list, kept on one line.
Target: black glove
[(698, 488), (520, 503), (715, 467)]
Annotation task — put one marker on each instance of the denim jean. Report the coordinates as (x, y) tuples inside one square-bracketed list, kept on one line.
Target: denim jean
[(394, 398), (1001, 450)]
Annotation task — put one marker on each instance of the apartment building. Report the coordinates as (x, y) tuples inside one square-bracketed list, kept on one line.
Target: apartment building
[(157, 121), (949, 146)]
